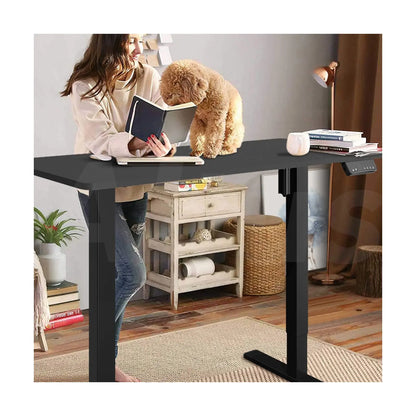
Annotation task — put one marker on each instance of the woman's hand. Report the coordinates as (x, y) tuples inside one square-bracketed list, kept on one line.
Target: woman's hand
[(136, 144), (160, 149)]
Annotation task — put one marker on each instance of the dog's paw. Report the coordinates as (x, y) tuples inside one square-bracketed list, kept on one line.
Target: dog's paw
[(227, 152), (210, 155)]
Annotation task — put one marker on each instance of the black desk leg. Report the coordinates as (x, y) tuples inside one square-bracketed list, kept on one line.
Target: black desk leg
[(294, 185), (101, 285)]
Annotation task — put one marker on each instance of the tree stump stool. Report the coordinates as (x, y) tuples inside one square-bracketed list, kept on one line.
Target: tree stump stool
[(369, 271)]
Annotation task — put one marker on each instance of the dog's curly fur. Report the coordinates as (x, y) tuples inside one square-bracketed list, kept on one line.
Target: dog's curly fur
[(217, 128)]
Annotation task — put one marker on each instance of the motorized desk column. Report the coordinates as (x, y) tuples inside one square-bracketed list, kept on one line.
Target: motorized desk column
[(101, 285)]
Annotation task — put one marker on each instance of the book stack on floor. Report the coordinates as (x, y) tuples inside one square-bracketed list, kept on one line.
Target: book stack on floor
[(340, 142), (64, 305), (186, 185)]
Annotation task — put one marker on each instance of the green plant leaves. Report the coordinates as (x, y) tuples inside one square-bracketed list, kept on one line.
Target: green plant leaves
[(48, 230)]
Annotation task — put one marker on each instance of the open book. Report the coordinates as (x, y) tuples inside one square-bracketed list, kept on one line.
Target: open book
[(146, 118)]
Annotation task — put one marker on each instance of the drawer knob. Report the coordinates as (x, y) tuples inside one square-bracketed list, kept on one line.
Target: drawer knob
[(210, 205)]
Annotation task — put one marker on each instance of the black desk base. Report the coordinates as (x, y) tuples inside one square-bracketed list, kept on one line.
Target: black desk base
[(293, 184), (276, 366)]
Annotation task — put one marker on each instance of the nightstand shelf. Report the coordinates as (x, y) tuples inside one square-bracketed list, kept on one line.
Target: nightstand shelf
[(179, 212)]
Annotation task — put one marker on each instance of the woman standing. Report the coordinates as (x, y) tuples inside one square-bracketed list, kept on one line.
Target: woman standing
[(101, 89)]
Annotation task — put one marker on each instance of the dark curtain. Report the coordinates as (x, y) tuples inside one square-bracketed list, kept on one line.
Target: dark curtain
[(356, 200)]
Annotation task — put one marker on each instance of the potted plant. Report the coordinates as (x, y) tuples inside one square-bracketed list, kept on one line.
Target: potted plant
[(52, 231)]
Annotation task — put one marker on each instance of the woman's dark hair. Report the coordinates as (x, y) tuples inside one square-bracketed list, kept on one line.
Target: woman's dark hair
[(105, 60)]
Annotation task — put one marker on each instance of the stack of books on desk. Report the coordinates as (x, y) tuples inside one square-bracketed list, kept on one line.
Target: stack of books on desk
[(340, 142), (186, 185), (64, 305)]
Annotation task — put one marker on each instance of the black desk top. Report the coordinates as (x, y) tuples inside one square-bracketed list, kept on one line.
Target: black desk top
[(254, 156)]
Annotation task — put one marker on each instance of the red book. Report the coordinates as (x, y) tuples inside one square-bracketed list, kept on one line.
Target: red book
[(71, 312), (68, 320)]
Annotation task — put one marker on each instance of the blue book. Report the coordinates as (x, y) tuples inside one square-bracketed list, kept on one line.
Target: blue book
[(339, 135), (146, 118)]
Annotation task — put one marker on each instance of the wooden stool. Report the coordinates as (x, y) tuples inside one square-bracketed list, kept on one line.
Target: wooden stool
[(369, 271)]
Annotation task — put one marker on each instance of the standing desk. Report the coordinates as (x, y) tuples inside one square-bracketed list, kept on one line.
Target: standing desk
[(101, 179)]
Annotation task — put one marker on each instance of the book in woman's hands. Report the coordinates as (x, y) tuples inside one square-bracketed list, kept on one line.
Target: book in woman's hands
[(146, 118)]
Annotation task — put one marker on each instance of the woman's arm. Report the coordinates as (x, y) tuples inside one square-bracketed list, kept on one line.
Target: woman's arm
[(100, 136), (136, 144), (97, 130)]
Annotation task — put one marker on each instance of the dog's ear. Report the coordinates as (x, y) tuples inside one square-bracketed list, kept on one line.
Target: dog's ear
[(202, 84), (187, 87), (199, 90)]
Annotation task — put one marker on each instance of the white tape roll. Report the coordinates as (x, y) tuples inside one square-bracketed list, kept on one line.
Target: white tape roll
[(298, 144)]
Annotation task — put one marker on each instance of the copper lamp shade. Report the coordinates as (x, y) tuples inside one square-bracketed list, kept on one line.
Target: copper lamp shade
[(325, 75)]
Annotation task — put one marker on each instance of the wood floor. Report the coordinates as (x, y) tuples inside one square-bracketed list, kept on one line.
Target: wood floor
[(336, 315)]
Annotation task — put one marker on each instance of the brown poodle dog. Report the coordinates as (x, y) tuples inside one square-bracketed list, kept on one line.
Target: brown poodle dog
[(217, 128)]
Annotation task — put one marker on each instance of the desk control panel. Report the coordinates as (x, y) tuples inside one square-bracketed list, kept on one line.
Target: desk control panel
[(359, 167)]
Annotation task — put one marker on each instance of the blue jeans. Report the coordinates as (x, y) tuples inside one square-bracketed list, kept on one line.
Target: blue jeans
[(130, 269)]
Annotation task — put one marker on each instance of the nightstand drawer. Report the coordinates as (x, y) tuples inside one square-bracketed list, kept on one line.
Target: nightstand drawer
[(191, 207), (223, 203), (195, 207)]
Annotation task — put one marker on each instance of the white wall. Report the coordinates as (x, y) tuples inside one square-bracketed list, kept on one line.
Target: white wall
[(271, 72)]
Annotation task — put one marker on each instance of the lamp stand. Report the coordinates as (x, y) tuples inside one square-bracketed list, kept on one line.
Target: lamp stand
[(327, 278)]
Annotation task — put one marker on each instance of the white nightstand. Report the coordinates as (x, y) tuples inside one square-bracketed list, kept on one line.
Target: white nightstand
[(182, 211)]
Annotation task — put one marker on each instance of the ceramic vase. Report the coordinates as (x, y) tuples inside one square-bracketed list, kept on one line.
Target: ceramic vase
[(53, 263), (298, 144)]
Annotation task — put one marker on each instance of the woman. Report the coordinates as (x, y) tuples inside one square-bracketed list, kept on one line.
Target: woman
[(101, 89)]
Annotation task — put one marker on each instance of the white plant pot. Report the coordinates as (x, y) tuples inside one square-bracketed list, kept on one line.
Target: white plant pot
[(53, 263)]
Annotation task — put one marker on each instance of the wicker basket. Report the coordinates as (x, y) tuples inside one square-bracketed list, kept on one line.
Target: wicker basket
[(264, 254)]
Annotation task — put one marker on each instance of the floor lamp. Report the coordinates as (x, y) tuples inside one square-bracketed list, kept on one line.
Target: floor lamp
[(325, 76)]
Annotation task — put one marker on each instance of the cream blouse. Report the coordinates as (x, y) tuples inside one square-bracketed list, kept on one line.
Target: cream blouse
[(101, 124)]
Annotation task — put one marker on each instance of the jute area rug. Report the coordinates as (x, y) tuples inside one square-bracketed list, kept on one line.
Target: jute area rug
[(214, 353)]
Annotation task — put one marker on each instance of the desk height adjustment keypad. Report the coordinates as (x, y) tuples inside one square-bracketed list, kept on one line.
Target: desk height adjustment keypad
[(359, 167)]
